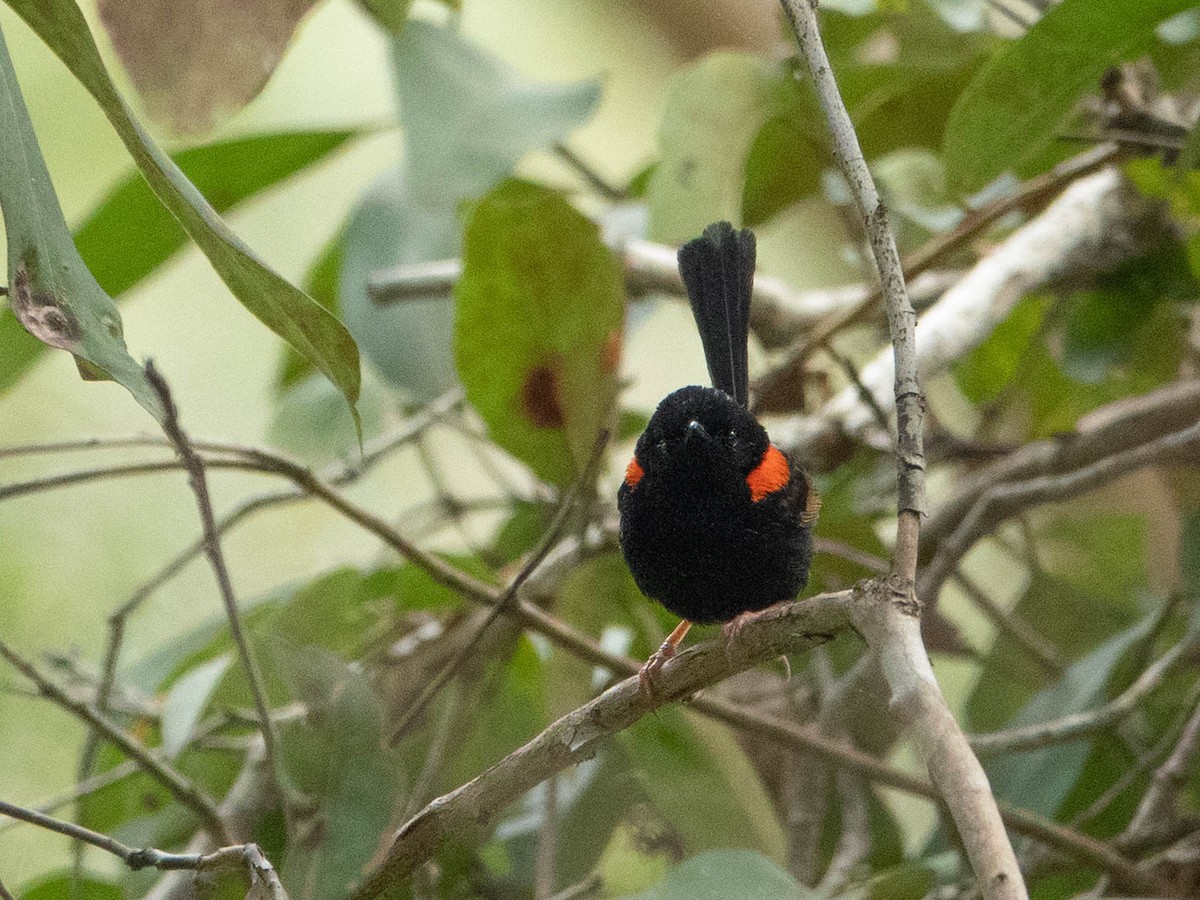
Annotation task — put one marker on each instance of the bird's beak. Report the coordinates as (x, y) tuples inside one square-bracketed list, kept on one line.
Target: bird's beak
[(695, 431)]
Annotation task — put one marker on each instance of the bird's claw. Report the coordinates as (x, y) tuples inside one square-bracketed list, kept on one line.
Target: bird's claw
[(648, 674)]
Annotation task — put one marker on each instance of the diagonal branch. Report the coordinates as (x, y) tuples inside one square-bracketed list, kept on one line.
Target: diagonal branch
[(175, 783), (212, 549)]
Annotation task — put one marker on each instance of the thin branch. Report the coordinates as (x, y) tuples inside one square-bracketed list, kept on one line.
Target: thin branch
[(260, 871), (176, 784), (1071, 727), (593, 178), (1158, 803), (1003, 501), (778, 313), (83, 789), (504, 601), (212, 549)]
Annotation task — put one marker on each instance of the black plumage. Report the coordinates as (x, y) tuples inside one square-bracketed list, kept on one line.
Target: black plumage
[(715, 521)]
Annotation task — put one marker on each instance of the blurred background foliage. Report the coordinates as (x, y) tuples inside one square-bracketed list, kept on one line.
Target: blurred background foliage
[(523, 141)]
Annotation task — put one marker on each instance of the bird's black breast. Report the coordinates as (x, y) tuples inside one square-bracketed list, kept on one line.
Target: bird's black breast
[(708, 552)]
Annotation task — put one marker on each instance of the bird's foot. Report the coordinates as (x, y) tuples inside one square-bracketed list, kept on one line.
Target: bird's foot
[(732, 631), (648, 675)]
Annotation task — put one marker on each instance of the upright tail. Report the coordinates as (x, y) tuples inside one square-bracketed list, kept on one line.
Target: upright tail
[(718, 271)]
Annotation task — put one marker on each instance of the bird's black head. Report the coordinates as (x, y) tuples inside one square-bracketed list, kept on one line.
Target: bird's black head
[(702, 432)]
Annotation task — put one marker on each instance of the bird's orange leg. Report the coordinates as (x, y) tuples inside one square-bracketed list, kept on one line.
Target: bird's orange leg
[(658, 658)]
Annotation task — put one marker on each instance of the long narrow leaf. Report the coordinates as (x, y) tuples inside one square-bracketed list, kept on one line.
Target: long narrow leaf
[(51, 292), (283, 308)]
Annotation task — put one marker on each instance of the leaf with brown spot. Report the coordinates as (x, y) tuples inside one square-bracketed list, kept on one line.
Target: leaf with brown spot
[(540, 401), (52, 293), (538, 305), (195, 61)]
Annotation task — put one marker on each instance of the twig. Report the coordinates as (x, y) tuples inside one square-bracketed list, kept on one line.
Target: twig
[(593, 178), (1005, 500), (1158, 803), (81, 790), (1068, 728), (258, 868), (175, 783), (212, 549), (1017, 629), (505, 599)]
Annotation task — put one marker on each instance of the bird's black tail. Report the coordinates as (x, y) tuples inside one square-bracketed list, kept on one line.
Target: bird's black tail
[(718, 271)]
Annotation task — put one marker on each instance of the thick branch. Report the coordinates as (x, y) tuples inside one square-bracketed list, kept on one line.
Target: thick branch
[(1097, 223), (888, 617), (578, 735)]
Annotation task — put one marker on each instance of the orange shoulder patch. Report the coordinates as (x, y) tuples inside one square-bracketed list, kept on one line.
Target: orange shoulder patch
[(634, 472), (769, 475)]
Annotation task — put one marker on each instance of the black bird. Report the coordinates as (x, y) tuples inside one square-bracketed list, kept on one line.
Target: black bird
[(716, 522)]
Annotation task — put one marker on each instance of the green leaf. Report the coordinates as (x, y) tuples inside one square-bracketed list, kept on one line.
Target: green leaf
[(984, 372), (1103, 323), (714, 110), (467, 119), (390, 15), (288, 312), (320, 283), (1039, 780), (1088, 596), (1010, 113), (698, 776), (51, 292), (540, 308), (186, 702), (722, 874), (130, 233), (65, 886), (783, 167), (907, 881)]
